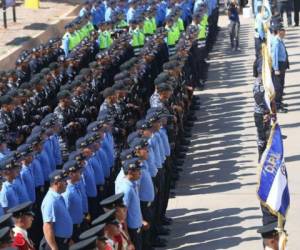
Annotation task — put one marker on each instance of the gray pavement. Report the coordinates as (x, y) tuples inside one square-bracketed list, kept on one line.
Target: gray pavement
[(30, 23), (216, 205)]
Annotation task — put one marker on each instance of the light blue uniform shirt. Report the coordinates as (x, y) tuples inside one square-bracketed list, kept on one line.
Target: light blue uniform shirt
[(37, 173), (65, 43), (56, 147), (73, 200), (48, 147), (81, 186), (28, 179), (278, 53), (54, 210), (8, 196), (102, 157), (162, 151), (132, 202), (130, 14), (153, 143), (108, 13), (21, 189), (146, 188), (1, 211), (44, 161), (165, 141), (151, 162), (89, 180), (98, 170)]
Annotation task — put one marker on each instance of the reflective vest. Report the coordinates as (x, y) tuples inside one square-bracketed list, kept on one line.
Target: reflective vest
[(72, 41), (148, 27), (180, 24), (171, 37), (153, 21)]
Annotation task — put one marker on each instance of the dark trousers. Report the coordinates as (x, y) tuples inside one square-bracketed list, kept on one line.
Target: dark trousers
[(76, 232), (36, 232), (168, 179), (147, 236), (258, 43), (263, 131), (62, 244), (296, 11), (93, 207), (285, 6), (279, 82), (160, 196), (136, 238)]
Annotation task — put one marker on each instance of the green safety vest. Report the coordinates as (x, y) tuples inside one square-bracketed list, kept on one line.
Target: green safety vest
[(122, 24), (72, 41), (176, 32), (202, 32), (105, 39), (180, 24), (148, 27), (171, 37), (138, 38), (153, 21)]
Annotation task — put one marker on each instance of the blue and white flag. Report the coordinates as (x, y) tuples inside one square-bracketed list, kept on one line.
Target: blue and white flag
[(273, 188)]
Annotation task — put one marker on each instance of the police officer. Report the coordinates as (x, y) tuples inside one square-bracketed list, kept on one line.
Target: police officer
[(73, 196), (132, 202), (58, 225), (8, 196), (280, 64)]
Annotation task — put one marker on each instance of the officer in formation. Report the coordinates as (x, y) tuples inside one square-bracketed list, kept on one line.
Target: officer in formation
[(265, 113), (111, 116)]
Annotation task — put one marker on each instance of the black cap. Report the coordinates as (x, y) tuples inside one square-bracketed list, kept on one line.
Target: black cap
[(164, 87), (58, 175), (63, 94), (108, 92), (71, 166), (152, 117), (6, 220), (24, 150), (76, 155), (119, 86), (162, 77), (34, 139), (81, 143), (95, 126), (105, 218), (97, 231), (126, 154), (139, 143), (5, 235), (8, 163), (5, 100), (87, 244), (22, 209), (143, 124), (113, 201), (132, 164), (132, 136), (268, 230)]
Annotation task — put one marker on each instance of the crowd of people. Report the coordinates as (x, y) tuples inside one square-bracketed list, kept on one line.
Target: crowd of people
[(265, 114), (94, 126)]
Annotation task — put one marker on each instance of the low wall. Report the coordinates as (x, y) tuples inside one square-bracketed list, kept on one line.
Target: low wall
[(53, 30)]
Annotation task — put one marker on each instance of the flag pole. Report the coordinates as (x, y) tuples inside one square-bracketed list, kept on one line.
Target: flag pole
[(282, 234)]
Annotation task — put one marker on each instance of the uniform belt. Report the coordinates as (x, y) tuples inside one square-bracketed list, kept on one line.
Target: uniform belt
[(77, 226), (147, 203), (62, 240)]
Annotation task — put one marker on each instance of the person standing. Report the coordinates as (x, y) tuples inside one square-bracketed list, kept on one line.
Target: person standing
[(279, 64), (296, 12), (58, 224), (234, 25), (285, 6)]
